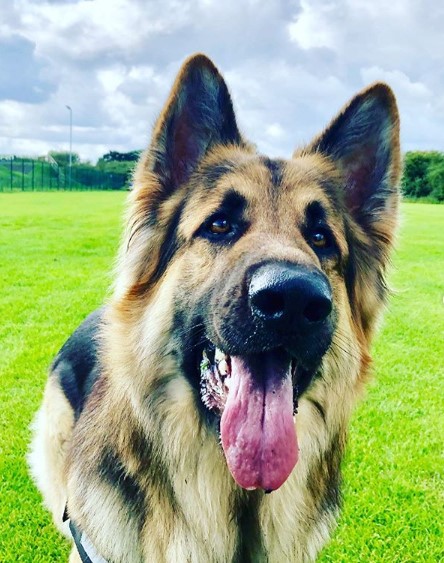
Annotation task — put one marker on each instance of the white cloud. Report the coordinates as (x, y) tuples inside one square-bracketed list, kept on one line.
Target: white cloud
[(398, 80), (290, 64), (312, 26), (276, 131), (111, 78)]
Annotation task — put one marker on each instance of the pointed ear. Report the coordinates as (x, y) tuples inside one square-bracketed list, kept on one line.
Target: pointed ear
[(198, 115), (363, 142)]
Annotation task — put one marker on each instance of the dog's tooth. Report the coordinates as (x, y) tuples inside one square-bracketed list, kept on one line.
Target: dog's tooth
[(219, 355), (222, 366)]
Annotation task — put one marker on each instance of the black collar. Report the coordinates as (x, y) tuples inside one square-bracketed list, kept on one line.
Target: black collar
[(87, 551)]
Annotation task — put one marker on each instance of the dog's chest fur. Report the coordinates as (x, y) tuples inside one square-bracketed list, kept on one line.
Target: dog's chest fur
[(191, 509)]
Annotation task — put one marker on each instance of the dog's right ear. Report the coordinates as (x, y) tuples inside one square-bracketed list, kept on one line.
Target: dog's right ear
[(198, 115)]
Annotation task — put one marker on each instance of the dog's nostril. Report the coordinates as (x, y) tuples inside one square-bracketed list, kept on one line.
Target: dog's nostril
[(269, 303), (317, 310)]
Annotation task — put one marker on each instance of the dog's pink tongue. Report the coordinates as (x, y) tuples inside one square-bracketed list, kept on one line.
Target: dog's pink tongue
[(257, 427)]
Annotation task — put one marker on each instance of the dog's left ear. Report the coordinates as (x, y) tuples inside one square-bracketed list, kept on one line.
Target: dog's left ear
[(198, 115), (363, 141)]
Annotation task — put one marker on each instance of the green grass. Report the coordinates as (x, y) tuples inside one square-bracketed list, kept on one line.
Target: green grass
[(393, 488), (56, 254), (57, 251)]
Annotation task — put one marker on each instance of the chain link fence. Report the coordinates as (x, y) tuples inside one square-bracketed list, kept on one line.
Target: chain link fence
[(27, 174)]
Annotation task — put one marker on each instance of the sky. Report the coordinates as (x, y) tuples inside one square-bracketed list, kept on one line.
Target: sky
[(290, 66)]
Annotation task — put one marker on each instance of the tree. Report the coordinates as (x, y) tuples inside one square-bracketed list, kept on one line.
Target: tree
[(115, 156), (62, 158), (416, 180), (435, 177), (118, 165)]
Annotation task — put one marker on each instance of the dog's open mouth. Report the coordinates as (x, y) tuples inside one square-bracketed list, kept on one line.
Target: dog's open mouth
[(254, 396)]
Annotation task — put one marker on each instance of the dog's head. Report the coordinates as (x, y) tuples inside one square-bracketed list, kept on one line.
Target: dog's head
[(253, 272)]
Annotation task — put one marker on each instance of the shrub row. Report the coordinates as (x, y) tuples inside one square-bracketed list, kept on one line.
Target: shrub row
[(424, 175)]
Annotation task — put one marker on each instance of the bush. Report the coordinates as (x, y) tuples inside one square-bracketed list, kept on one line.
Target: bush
[(90, 176), (419, 179), (435, 177), (115, 156), (62, 158)]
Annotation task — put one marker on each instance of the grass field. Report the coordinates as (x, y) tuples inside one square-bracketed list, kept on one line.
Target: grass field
[(57, 252)]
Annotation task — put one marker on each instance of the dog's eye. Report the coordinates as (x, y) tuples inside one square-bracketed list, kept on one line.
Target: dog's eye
[(320, 239), (222, 228), (219, 225)]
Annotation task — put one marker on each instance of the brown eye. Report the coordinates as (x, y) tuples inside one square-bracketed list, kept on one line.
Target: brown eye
[(319, 239), (219, 226)]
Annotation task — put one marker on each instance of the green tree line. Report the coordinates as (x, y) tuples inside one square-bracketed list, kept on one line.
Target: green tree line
[(119, 165), (423, 175), (423, 170)]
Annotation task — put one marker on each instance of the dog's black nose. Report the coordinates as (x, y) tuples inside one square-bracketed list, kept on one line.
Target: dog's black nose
[(282, 295)]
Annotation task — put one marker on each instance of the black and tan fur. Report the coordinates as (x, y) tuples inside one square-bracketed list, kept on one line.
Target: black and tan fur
[(122, 436)]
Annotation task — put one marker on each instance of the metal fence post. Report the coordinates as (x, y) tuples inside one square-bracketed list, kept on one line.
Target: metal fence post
[(32, 174), (11, 172)]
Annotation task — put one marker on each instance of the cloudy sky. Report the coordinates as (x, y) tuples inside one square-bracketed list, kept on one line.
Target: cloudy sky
[(290, 65)]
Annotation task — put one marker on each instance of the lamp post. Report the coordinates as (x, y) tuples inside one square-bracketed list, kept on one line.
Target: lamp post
[(70, 145)]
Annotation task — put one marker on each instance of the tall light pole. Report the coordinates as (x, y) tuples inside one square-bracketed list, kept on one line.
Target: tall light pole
[(70, 145)]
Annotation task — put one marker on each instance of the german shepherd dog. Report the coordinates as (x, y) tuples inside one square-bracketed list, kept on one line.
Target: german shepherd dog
[(227, 362)]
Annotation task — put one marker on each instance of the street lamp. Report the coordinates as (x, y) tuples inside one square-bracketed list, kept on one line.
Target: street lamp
[(70, 145)]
